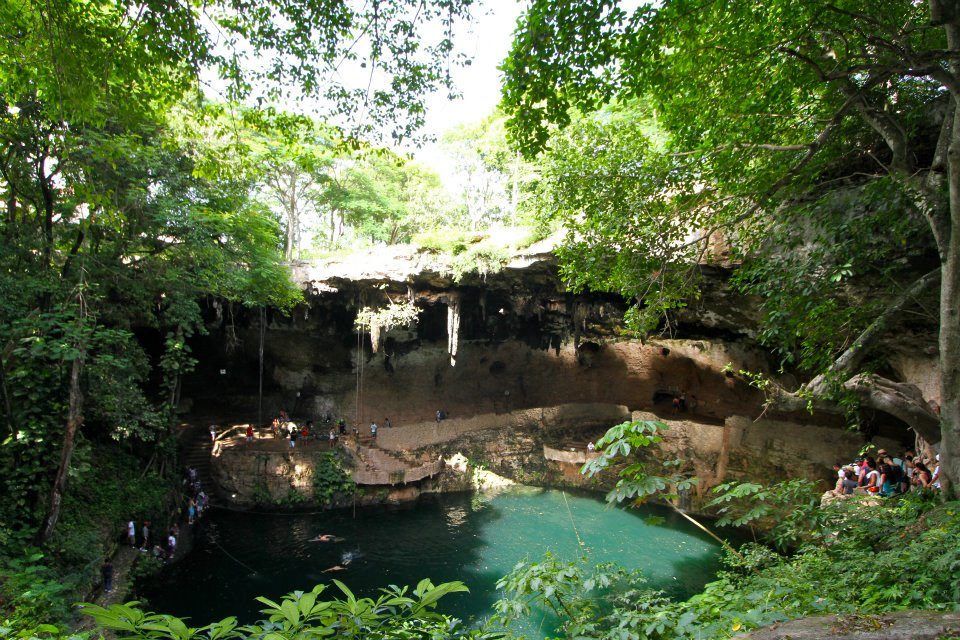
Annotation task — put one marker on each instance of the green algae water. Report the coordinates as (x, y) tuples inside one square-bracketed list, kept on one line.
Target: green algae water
[(476, 538)]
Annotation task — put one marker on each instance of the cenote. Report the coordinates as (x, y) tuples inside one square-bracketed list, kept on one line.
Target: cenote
[(476, 538)]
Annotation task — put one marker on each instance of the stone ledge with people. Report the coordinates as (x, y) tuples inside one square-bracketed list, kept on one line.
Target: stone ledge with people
[(884, 475)]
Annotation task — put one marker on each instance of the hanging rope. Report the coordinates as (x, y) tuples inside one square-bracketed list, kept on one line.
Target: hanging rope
[(722, 542), (232, 557), (572, 523), (359, 359), (263, 331)]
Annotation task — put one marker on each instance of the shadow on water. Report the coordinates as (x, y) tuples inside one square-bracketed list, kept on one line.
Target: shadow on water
[(475, 538)]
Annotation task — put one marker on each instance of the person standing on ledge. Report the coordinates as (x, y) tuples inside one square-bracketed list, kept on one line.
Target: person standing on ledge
[(373, 430), (107, 572), (386, 423)]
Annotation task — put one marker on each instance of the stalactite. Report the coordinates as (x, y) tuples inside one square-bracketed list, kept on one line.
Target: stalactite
[(374, 335), (453, 327), (578, 317)]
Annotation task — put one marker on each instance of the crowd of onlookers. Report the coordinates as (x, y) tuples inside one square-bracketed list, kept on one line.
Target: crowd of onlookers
[(887, 475), (331, 429)]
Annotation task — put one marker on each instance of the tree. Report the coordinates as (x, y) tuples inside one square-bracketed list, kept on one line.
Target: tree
[(766, 107), (493, 177), (384, 197), (112, 220), (295, 157)]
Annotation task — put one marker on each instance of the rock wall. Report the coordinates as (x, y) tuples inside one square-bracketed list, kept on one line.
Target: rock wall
[(514, 446), (759, 450), (517, 362), (581, 416), (285, 479)]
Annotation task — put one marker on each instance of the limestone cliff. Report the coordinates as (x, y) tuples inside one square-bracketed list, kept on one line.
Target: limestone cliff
[(504, 343)]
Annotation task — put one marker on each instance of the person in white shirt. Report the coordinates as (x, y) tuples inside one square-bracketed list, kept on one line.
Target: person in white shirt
[(132, 533), (591, 446)]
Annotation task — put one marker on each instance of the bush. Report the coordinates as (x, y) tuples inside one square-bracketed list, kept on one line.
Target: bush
[(396, 613), (330, 479)]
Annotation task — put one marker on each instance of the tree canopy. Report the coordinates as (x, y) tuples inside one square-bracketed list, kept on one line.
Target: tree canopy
[(767, 128), (129, 196)]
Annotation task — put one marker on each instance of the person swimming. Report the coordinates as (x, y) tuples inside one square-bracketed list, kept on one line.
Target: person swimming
[(345, 560), (326, 537), (350, 556)]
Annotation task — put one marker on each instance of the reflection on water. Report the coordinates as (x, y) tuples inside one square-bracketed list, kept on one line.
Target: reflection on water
[(475, 538)]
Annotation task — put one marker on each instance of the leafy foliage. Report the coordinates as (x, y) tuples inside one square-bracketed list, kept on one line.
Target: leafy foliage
[(397, 613), (627, 441), (330, 479), (788, 511)]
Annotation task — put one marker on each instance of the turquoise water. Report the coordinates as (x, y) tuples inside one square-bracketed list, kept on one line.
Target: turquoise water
[(476, 538)]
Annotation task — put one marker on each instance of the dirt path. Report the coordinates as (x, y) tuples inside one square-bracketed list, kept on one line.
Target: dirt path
[(123, 561)]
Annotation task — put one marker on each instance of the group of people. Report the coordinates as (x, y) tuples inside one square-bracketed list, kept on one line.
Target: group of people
[(282, 427), (146, 539), (162, 548), (887, 475), (681, 403)]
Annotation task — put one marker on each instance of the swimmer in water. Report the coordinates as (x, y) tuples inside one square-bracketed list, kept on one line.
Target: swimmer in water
[(335, 568), (326, 537)]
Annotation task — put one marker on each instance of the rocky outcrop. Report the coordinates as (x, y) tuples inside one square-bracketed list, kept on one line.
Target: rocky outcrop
[(570, 455), (375, 467), (901, 625)]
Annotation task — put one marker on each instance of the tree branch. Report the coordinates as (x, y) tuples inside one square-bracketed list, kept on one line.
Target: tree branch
[(851, 359)]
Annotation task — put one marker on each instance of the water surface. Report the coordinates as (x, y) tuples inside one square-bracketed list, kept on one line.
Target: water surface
[(476, 538)]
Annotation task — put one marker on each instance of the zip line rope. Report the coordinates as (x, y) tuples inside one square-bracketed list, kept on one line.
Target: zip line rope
[(572, 523), (234, 558)]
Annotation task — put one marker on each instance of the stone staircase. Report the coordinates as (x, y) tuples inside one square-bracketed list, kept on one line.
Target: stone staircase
[(374, 466), (196, 453)]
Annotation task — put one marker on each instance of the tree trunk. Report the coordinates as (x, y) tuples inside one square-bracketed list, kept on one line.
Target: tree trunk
[(74, 420), (950, 329), (947, 14), (7, 407)]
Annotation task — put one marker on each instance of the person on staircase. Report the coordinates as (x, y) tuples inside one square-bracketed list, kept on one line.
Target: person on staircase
[(107, 572)]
